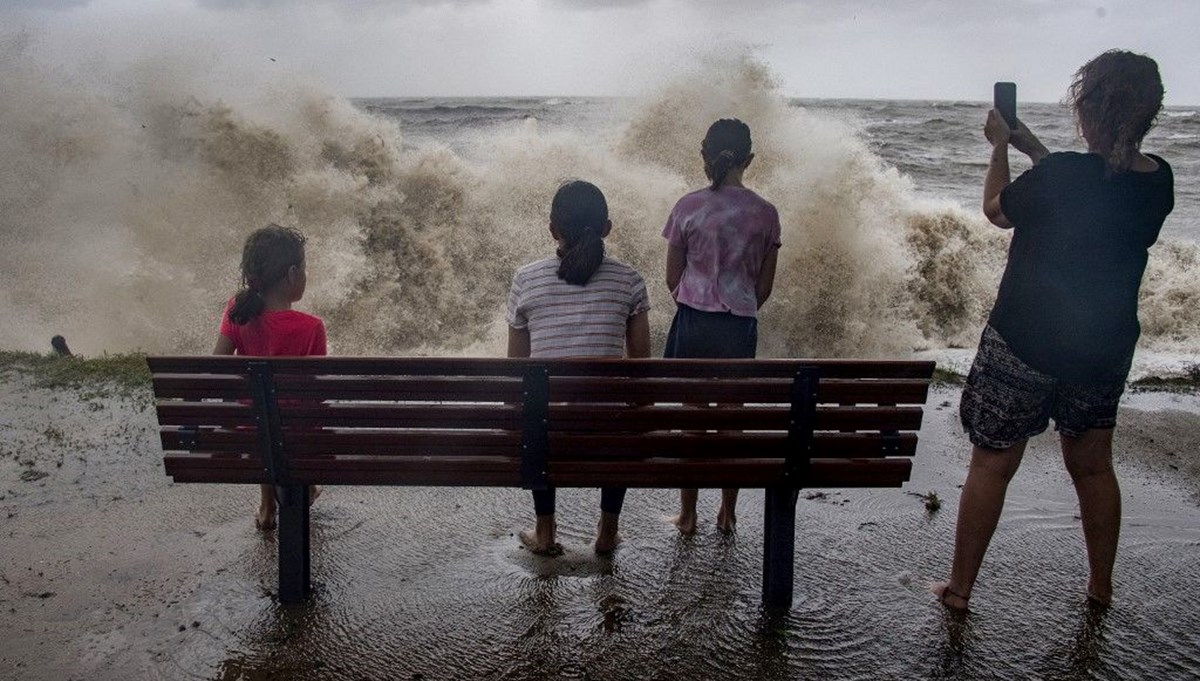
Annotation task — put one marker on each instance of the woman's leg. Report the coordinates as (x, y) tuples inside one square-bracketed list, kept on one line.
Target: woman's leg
[(611, 501), (978, 514), (542, 538), (727, 513), (265, 518), (1089, 461), (686, 520)]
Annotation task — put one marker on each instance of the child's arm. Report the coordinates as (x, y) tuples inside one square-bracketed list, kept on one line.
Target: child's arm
[(676, 261), (224, 345), (637, 336), (518, 342), (766, 276)]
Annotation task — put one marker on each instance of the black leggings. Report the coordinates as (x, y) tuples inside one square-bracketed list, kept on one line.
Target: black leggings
[(611, 500)]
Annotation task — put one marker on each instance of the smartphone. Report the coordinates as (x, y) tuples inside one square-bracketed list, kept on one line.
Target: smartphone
[(1004, 97)]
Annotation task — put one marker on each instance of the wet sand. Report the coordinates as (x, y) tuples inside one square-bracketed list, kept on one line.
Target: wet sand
[(110, 571)]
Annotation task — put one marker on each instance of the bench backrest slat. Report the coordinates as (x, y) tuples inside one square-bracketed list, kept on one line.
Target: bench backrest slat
[(458, 421)]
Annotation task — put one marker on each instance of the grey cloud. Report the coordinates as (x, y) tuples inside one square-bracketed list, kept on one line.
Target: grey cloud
[(341, 4), (6, 5)]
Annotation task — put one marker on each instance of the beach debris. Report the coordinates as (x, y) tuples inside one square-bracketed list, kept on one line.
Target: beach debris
[(33, 474), (932, 502), (60, 346)]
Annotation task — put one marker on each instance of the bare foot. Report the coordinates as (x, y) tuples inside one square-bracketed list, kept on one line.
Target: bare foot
[(265, 518), (606, 534), (313, 492), (538, 545), (949, 599), (685, 523), (726, 522)]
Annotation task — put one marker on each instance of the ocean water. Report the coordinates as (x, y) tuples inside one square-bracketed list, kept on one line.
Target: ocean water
[(125, 206)]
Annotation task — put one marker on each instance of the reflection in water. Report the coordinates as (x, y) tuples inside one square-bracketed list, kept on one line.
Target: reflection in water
[(404, 596)]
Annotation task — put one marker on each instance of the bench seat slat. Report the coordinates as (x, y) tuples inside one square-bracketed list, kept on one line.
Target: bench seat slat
[(572, 417), (770, 391), (603, 418), (582, 446), (402, 416), (221, 414), (201, 386), (391, 388), (208, 440), (469, 366)]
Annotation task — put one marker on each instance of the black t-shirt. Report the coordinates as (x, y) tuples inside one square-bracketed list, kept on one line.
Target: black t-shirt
[(1068, 301)]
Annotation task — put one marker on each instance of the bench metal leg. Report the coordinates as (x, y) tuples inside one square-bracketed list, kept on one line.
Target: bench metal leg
[(779, 540), (293, 543)]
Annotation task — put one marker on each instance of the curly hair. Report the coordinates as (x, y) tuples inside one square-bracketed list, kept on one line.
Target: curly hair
[(1116, 98)]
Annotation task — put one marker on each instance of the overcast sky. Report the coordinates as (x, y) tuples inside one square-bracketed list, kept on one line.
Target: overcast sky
[(936, 49)]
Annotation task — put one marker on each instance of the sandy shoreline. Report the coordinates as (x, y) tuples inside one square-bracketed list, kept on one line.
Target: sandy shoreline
[(108, 570)]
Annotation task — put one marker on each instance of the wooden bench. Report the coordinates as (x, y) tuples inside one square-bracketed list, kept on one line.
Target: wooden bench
[(776, 424)]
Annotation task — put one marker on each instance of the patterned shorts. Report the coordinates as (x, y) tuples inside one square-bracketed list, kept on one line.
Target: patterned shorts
[(1006, 401)]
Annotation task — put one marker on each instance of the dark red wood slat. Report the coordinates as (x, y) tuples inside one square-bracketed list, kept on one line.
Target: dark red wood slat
[(776, 391), (571, 447), (467, 366), (576, 446), (208, 440), (427, 388), (222, 414), (590, 418), (401, 416), (201, 386)]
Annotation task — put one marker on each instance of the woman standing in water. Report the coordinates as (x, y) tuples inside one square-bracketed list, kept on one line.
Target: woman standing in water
[(722, 246), (1060, 339)]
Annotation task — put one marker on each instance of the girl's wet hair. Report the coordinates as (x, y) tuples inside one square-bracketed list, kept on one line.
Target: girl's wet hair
[(1116, 98), (267, 257), (725, 147), (580, 214)]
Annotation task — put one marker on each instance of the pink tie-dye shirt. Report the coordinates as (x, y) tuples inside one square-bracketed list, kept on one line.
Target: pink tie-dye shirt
[(725, 235)]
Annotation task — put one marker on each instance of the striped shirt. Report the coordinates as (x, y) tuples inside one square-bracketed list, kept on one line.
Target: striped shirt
[(565, 320)]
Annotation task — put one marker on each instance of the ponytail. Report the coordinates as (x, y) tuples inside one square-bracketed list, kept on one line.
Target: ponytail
[(267, 257), (580, 215), (726, 146), (581, 259), (248, 304)]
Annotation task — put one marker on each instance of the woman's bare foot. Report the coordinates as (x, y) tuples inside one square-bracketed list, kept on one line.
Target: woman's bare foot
[(265, 518), (949, 599), (685, 523), (541, 539), (606, 533), (726, 522)]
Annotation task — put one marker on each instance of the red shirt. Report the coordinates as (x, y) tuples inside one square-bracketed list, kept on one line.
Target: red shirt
[(284, 333)]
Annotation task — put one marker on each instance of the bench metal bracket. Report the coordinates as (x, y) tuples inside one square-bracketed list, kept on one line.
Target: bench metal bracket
[(270, 430), (295, 569), (779, 504), (535, 425), (800, 425)]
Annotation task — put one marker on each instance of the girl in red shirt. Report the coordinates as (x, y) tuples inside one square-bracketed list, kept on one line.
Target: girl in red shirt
[(259, 319)]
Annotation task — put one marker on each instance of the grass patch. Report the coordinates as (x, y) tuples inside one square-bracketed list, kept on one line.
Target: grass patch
[(947, 377), (122, 374)]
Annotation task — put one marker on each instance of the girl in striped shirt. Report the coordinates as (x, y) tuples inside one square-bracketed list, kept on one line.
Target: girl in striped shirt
[(578, 303)]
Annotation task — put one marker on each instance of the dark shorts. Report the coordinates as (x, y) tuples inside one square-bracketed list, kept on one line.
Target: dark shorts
[(1006, 401), (699, 334)]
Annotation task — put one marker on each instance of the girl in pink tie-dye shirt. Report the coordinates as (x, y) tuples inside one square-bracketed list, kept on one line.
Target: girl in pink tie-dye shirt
[(722, 246)]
